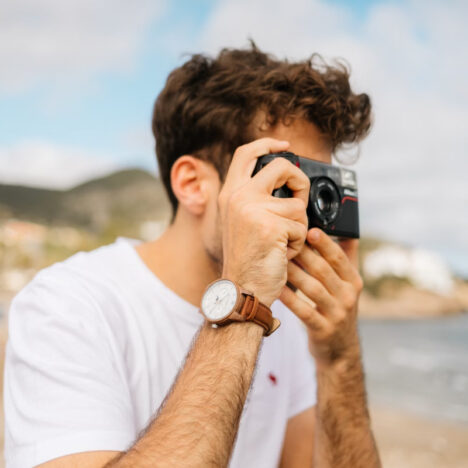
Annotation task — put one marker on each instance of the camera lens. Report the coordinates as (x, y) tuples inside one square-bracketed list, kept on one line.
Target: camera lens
[(325, 200)]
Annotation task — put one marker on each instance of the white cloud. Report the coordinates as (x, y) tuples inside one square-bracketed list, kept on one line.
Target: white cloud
[(138, 140), (411, 58), (43, 164), (49, 41)]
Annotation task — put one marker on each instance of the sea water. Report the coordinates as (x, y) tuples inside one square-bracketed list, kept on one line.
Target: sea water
[(418, 365)]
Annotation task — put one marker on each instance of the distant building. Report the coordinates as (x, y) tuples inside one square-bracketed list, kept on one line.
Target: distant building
[(14, 233), (426, 270)]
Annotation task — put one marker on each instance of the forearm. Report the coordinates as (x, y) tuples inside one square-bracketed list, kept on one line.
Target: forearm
[(343, 436), (198, 422)]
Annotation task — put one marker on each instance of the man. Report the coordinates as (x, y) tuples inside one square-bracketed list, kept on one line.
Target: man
[(110, 362)]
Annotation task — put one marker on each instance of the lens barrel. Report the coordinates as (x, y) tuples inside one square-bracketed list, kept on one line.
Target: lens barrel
[(324, 200)]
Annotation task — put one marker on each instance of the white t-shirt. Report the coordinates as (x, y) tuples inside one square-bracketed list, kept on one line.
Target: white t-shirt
[(95, 343)]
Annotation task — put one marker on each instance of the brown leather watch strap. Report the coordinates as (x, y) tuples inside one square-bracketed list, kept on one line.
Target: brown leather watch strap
[(247, 308), (254, 311)]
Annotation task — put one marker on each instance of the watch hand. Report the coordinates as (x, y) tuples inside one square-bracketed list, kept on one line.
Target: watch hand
[(221, 302)]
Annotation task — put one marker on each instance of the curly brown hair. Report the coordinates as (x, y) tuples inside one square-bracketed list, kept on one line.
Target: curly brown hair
[(208, 105)]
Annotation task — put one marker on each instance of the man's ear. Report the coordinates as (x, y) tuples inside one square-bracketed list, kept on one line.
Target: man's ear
[(192, 182)]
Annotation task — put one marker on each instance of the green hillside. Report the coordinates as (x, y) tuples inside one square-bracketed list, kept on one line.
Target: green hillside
[(28, 202), (123, 198)]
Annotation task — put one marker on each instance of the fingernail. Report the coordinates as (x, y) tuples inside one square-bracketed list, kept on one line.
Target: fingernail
[(314, 235)]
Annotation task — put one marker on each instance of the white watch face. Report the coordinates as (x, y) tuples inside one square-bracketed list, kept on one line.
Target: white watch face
[(219, 300)]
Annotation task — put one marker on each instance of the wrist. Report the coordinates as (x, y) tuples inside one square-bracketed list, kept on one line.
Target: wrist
[(248, 286), (243, 331), (340, 359), (339, 367), (226, 301)]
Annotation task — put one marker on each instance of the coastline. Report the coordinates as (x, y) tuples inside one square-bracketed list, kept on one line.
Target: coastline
[(408, 302)]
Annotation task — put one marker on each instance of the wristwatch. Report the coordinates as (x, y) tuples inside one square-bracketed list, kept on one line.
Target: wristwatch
[(225, 302)]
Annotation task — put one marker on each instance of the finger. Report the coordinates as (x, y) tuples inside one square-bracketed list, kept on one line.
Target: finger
[(292, 208), (280, 172), (245, 158), (333, 254), (296, 233), (351, 249), (312, 288), (319, 268), (302, 309)]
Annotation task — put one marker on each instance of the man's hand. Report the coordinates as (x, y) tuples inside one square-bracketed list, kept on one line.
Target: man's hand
[(324, 272), (261, 232)]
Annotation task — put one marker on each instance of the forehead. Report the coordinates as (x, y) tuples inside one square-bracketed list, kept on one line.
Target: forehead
[(304, 138)]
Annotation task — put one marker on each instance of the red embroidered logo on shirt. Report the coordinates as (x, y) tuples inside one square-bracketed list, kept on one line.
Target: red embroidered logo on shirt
[(272, 377)]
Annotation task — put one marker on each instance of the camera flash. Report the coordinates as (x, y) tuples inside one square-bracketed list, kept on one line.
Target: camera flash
[(348, 179)]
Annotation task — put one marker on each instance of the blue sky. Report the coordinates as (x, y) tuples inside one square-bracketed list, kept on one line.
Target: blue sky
[(99, 113), (102, 111), (79, 79)]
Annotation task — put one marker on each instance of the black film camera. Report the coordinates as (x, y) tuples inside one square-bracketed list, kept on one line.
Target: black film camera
[(333, 199)]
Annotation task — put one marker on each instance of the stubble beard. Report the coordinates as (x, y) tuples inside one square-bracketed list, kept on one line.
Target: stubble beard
[(214, 249)]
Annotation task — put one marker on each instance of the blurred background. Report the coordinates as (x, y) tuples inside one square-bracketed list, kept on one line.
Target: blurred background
[(78, 80)]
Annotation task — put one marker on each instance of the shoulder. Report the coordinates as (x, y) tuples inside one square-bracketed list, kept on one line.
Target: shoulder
[(106, 264), (71, 290)]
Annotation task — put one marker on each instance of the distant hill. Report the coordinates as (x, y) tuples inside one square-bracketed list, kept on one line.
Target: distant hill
[(122, 198)]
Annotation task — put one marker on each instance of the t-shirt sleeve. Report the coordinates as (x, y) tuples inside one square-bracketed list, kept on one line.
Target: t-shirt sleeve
[(303, 390), (64, 388)]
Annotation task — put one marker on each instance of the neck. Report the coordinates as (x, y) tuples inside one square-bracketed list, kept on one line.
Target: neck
[(179, 259)]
